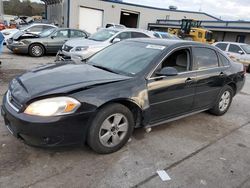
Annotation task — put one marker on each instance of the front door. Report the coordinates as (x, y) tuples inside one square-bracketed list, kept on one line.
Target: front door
[(172, 95)]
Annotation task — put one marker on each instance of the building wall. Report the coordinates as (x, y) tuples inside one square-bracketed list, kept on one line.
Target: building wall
[(112, 13), (231, 36)]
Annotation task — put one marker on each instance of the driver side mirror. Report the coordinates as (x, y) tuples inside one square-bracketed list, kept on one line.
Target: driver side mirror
[(167, 71), (115, 40), (241, 52)]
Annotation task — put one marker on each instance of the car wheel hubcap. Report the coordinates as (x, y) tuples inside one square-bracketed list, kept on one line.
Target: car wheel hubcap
[(113, 130), (224, 101), (37, 50)]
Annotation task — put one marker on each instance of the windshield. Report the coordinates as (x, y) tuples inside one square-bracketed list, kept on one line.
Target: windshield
[(47, 32), (246, 48), (126, 57), (103, 35)]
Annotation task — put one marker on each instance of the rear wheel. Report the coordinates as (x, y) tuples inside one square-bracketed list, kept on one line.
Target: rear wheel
[(223, 101), (36, 50), (110, 129)]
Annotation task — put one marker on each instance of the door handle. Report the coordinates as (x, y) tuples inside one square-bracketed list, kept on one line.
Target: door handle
[(188, 81)]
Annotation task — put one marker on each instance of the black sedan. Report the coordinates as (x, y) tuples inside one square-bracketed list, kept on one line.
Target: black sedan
[(131, 84), (49, 41)]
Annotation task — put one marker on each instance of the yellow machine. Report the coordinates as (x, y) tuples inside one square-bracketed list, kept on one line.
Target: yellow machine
[(192, 30)]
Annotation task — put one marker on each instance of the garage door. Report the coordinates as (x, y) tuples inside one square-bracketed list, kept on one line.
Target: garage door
[(90, 19)]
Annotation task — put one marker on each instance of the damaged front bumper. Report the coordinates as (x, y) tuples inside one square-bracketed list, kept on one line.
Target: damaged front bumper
[(46, 131)]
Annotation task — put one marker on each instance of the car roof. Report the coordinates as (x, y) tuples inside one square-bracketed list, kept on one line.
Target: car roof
[(128, 29), (237, 43), (167, 42)]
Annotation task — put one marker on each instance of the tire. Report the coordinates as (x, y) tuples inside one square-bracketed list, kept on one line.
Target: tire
[(223, 101), (106, 135), (36, 50), (248, 69)]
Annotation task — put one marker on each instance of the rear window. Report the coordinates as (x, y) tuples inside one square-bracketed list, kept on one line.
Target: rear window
[(139, 35), (205, 58), (222, 46), (224, 61)]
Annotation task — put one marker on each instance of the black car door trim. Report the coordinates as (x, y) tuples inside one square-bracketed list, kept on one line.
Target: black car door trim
[(170, 100)]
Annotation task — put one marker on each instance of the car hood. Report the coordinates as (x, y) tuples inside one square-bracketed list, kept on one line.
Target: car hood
[(24, 35), (84, 42), (59, 79)]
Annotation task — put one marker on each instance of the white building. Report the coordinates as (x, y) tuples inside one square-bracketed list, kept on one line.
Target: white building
[(91, 14)]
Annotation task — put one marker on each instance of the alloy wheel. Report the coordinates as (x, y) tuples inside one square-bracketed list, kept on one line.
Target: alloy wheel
[(224, 101), (37, 50), (113, 130)]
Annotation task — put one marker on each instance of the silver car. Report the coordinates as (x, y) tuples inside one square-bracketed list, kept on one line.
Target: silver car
[(237, 51), (81, 49)]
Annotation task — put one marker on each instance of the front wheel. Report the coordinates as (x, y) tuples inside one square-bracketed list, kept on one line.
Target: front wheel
[(223, 101), (36, 50), (110, 129)]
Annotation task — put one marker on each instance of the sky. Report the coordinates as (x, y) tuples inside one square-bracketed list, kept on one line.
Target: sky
[(224, 9)]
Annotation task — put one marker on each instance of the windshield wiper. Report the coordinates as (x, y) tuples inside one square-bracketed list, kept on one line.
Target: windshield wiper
[(105, 68)]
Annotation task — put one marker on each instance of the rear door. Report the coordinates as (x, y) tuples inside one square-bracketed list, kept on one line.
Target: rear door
[(210, 76)]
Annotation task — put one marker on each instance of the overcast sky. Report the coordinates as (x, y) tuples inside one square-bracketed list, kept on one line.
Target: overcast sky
[(224, 9)]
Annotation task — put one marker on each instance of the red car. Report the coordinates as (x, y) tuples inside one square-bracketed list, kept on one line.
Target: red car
[(2, 26)]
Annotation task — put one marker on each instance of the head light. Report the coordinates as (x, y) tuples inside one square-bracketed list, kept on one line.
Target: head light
[(81, 48), (53, 106)]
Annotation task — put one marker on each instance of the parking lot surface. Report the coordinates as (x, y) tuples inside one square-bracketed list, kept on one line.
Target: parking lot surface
[(198, 151)]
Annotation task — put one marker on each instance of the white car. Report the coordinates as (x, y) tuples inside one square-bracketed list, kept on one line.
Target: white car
[(81, 49), (237, 51), (35, 28)]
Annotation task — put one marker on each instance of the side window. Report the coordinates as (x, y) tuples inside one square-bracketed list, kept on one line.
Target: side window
[(179, 59), (157, 35), (224, 61), (222, 46), (234, 48), (199, 34), (76, 34), (124, 35), (61, 34), (205, 58), (35, 29), (45, 27), (139, 35)]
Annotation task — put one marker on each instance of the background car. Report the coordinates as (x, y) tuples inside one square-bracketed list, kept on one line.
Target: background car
[(131, 84), (84, 48), (165, 35), (237, 51), (35, 28), (49, 41)]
